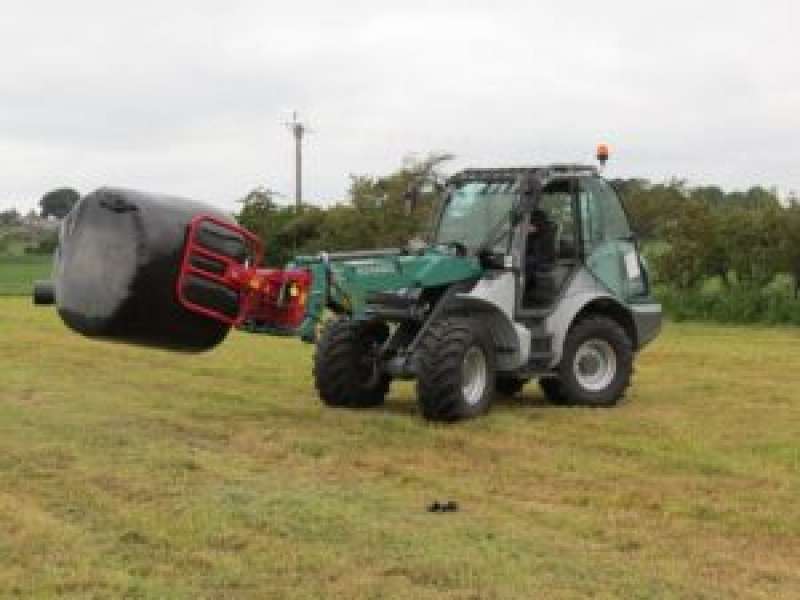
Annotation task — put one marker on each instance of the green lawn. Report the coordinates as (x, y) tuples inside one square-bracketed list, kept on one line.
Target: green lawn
[(17, 273), (126, 472)]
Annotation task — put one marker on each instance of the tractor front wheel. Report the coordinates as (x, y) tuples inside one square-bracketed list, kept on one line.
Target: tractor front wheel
[(456, 370), (347, 371)]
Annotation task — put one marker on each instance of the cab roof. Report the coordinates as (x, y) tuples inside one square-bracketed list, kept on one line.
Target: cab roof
[(543, 173)]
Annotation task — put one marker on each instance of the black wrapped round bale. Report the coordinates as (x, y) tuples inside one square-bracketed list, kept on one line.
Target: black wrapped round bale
[(117, 265)]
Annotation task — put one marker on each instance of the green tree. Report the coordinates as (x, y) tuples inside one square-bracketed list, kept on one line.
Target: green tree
[(793, 245), (57, 203), (756, 198), (711, 195), (376, 214), (261, 215), (10, 217), (384, 202), (687, 233), (651, 207)]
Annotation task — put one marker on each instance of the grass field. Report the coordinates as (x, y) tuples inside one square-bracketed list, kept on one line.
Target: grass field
[(17, 273), (133, 473)]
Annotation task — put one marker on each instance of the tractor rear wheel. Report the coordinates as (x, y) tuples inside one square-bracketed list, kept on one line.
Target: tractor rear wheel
[(347, 372), (597, 364), (456, 370)]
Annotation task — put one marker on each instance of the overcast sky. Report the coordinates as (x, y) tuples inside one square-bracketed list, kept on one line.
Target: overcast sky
[(190, 97)]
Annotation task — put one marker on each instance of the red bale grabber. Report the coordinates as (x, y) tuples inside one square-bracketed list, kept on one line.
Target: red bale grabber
[(269, 300)]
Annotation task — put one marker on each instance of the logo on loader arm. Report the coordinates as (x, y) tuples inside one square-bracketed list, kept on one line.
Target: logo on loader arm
[(368, 267)]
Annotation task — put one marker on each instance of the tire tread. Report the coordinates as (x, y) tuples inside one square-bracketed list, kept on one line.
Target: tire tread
[(439, 365), (336, 370)]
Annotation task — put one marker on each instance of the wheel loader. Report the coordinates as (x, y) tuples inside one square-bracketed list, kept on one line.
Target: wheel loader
[(530, 274)]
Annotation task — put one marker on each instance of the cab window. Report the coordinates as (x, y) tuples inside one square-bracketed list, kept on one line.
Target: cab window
[(602, 215), (556, 202), (611, 255)]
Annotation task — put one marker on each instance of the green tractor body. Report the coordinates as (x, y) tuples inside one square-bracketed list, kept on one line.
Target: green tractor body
[(529, 274), (360, 278)]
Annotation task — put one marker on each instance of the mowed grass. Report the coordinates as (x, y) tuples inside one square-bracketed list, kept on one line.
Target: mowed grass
[(17, 273), (127, 472)]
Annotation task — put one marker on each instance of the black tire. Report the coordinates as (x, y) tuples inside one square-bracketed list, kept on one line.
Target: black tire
[(509, 385), (440, 376), (345, 371), (553, 390), (607, 334)]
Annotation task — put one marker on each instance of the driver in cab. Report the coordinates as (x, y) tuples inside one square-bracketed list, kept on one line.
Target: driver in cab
[(540, 247)]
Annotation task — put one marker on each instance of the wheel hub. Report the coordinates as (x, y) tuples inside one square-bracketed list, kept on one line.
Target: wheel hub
[(474, 375), (595, 365)]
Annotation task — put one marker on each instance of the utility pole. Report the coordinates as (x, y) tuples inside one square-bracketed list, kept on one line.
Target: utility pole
[(298, 130)]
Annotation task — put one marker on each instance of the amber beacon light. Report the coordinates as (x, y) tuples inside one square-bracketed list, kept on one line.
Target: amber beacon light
[(602, 154)]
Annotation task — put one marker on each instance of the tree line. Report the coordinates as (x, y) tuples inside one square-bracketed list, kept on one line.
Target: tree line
[(56, 203), (742, 238), (726, 256), (713, 254)]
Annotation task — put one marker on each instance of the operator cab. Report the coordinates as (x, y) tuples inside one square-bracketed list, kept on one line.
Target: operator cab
[(579, 220), (545, 223)]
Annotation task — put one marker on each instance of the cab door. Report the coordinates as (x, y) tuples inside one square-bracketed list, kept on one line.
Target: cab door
[(549, 250), (608, 245)]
